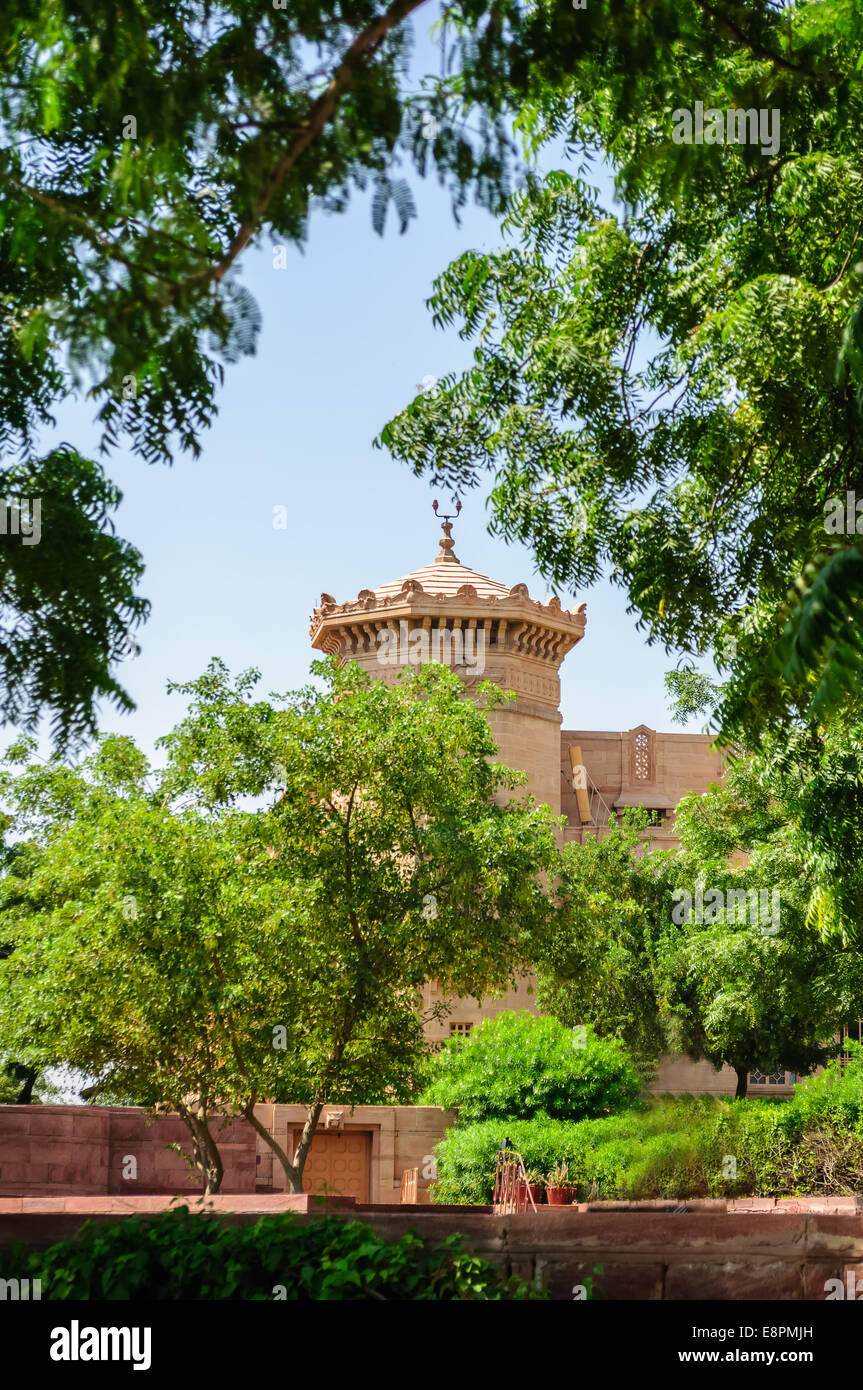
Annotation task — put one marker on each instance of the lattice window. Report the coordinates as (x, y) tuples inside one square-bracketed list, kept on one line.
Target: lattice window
[(774, 1078), (642, 757), (460, 1030)]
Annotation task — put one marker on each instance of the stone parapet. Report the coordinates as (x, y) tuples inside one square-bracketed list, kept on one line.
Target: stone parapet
[(698, 1253)]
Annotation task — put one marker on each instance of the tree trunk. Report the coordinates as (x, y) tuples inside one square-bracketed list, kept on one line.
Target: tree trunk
[(293, 1171), (27, 1076), (308, 1134), (214, 1170), (208, 1160), (742, 1082)]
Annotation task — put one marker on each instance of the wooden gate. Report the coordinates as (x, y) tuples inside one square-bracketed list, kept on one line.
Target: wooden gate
[(410, 1183)]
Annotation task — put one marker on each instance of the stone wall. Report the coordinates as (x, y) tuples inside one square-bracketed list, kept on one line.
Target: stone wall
[(681, 1076), (46, 1149), (82, 1150), (761, 1250), (677, 764), (402, 1136)]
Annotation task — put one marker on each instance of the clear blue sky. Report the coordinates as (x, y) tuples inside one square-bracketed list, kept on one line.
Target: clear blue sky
[(346, 339)]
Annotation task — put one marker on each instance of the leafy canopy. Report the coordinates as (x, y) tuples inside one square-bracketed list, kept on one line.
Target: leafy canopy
[(143, 147), (258, 919), (68, 595), (668, 389), (726, 974)]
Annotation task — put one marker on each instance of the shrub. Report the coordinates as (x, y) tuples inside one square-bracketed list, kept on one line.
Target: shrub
[(679, 1146), (616, 1156), (835, 1095), (181, 1255), (516, 1066)]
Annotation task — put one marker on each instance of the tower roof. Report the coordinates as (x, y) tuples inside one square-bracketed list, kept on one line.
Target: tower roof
[(445, 575), (444, 591)]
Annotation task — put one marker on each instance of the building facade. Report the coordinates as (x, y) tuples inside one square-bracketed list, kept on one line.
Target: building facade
[(489, 631)]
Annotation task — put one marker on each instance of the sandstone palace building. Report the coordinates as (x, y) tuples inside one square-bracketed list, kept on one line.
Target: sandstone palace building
[(586, 775), (490, 632)]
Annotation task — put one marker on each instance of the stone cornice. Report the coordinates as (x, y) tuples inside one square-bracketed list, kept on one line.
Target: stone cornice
[(520, 624)]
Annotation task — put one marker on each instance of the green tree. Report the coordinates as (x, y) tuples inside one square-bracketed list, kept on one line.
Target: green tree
[(671, 392), (808, 778), (743, 981), (756, 988), (394, 864), (143, 147), (198, 951), (125, 940), (68, 594), (708, 951), (667, 388)]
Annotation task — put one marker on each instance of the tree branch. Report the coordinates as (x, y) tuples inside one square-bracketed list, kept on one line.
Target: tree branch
[(754, 48), (320, 113)]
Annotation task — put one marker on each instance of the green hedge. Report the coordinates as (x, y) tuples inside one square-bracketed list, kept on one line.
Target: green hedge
[(516, 1065), (604, 1157), (681, 1147), (181, 1255)]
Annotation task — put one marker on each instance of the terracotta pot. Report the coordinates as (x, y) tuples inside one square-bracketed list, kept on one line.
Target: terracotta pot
[(560, 1196), (522, 1189)]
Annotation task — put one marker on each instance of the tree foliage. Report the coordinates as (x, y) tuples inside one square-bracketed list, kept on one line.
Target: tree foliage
[(257, 920), (68, 595), (515, 1066), (709, 950), (667, 388), (142, 149)]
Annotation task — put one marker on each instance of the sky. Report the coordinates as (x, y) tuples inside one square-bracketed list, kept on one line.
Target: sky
[(346, 340)]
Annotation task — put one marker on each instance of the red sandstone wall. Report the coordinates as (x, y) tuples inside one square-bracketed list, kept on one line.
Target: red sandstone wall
[(736, 1251), (46, 1150)]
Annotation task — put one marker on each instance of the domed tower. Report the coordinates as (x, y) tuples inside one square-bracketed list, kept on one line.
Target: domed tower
[(485, 631)]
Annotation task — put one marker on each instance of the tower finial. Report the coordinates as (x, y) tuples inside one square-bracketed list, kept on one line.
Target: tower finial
[(447, 545)]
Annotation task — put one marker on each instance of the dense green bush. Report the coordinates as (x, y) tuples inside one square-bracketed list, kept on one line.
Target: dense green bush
[(681, 1147), (516, 1066), (181, 1255), (836, 1095), (602, 1156)]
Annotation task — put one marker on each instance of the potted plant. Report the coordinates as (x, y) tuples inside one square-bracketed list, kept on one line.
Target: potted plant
[(535, 1185), (559, 1191)]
